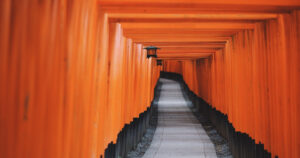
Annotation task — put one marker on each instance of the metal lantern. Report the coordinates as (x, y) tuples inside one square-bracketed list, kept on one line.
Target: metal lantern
[(158, 62), (151, 51)]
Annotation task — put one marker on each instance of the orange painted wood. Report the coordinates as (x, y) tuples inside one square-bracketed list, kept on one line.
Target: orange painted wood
[(73, 73), (253, 81), (64, 81), (178, 3)]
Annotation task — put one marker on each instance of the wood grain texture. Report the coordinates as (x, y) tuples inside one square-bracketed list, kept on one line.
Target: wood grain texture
[(74, 72)]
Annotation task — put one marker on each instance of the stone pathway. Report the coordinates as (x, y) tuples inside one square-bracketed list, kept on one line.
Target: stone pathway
[(178, 134)]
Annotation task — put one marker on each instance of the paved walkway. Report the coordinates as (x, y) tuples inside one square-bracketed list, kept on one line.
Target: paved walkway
[(178, 134)]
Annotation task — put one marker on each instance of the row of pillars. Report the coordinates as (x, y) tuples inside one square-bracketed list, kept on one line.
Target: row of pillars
[(131, 134), (240, 144)]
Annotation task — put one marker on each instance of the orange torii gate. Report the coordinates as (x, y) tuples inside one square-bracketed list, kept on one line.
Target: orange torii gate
[(73, 73)]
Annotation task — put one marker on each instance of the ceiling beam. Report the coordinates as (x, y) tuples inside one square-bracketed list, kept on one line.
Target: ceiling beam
[(197, 3), (189, 39), (188, 25), (130, 17)]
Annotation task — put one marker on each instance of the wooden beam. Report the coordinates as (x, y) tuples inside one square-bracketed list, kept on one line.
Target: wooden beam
[(197, 3), (178, 31), (186, 49), (130, 17), (188, 25), (149, 35), (198, 39), (172, 44)]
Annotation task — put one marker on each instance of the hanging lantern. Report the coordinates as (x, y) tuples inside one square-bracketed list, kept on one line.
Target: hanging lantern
[(158, 62), (151, 51)]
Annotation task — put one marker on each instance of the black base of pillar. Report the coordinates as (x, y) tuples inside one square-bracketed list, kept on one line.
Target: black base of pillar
[(129, 137), (241, 144), (132, 133)]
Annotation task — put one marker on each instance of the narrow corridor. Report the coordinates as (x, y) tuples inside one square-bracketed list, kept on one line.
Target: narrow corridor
[(80, 78), (178, 133)]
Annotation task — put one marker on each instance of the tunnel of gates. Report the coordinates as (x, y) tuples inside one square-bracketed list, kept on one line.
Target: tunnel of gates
[(73, 73)]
